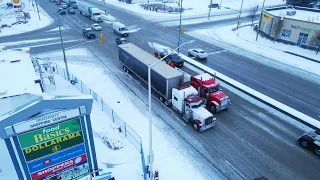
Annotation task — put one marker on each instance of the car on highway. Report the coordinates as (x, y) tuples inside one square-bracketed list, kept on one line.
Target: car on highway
[(64, 5), (88, 33), (311, 140), (71, 11), (121, 41), (62, 12), (198, 53), (96, 27)]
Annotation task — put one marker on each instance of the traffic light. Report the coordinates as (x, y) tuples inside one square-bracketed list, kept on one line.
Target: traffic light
[(165, 29), (101, 38), (181, 30)]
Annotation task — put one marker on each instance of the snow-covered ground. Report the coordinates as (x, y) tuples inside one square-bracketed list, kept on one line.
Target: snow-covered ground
[(194, 8), (244, 38), (114, 152), (7, 16), (169, 159)]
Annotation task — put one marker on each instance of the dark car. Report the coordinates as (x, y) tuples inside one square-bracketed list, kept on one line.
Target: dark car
[(88, 33), (121, 41), (71, 11), (62, 12), (175, 58)]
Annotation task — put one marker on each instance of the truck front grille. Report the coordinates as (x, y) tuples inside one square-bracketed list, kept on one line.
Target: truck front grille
[(224, 102), (208, 121)]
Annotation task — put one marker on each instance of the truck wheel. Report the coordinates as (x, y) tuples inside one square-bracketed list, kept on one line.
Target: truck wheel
[(80, 12), (213, 108), (166, 103), (305, 143), (195, 127), (161, 98), (317, 151), (189, 54), (125, 69)]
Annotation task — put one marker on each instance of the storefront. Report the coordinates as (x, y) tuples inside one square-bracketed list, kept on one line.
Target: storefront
[(300, 28)]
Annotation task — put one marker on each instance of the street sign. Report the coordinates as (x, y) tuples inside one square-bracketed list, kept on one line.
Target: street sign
[(45, 120)]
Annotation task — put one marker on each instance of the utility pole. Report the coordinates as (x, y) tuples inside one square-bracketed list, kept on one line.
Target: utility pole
[(180, 3), (260, 20), (209, 10), (38, 10), (239, 14), (220, 4), (63, 50)]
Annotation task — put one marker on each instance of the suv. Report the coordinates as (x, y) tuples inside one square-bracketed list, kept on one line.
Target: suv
[(311, 140), (88, 33)]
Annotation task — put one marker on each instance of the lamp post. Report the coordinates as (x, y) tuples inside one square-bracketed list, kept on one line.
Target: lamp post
[(63, 50), (150, 66), (180, 9), (239, 15), (260, 20)]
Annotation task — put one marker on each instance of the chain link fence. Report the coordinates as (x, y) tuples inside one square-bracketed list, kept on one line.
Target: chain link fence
[(129, 133)]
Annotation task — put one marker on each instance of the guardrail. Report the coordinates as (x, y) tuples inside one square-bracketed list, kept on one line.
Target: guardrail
[(303, 118)]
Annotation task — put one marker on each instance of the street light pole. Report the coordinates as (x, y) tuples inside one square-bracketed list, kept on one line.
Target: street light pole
[(150, 66), (209, 13), (63, 50), (260, 21), (239, 14), (180, 24)]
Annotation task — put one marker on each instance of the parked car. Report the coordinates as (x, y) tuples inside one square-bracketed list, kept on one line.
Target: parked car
[(198, 53), (88, 33), (96, 27), (71, 11), (121, 41)]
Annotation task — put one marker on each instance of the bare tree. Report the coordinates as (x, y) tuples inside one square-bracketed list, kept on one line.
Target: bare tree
[(315, 41), (252, 13)]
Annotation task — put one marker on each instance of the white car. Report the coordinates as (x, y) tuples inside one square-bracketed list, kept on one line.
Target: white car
[(198, 53), (64, 5), (96, 27)]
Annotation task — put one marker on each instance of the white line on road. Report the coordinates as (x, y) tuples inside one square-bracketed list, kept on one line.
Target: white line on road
[(178, 119), (217, 52), (236, 170)]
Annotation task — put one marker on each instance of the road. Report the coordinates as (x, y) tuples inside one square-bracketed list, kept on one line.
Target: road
[(249, 141)]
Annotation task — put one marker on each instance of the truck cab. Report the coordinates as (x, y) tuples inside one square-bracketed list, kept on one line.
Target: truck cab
[(185, 101), (95, 14), (173, 59), (214, 98), (311, 140)]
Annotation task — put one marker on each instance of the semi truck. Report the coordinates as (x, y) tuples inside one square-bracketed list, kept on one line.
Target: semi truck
[(214, 98), (92, 12), (168, 84), (71, 3), (311, 140)]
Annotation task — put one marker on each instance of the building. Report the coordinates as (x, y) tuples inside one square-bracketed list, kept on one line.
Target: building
[(298, 26), (17, 74)]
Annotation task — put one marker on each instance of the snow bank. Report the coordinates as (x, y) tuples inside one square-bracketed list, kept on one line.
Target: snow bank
[(8, 17)]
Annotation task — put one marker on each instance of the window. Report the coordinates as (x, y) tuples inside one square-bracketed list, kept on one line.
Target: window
[(286, 34), (175, 98)]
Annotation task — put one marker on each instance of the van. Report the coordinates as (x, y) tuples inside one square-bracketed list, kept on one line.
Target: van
[(120, 29)]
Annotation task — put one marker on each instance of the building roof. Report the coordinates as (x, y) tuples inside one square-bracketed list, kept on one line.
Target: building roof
[(302, 14), (161, 68), (17, 74)]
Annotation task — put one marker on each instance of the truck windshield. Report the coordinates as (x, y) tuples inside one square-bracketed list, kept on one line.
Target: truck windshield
[(96, 14), (196, 105), (213, 89)]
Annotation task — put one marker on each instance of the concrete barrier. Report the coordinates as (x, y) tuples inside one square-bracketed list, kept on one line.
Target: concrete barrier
[(303, 118)]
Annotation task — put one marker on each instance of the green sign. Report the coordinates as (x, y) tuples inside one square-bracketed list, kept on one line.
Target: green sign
[(49, 133), (53, 146)]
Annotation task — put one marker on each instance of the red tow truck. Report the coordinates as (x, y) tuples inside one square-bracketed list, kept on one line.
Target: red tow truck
[(214, 98)]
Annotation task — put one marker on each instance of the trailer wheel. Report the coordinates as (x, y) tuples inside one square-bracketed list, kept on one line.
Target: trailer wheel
[(304, 143), (317, 151), (166, 103), (80, 12), (195, 127), (161, 98), (213, 108)]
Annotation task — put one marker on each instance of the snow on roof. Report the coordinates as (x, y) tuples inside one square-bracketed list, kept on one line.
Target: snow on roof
[(17, 74), (302, 15)]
